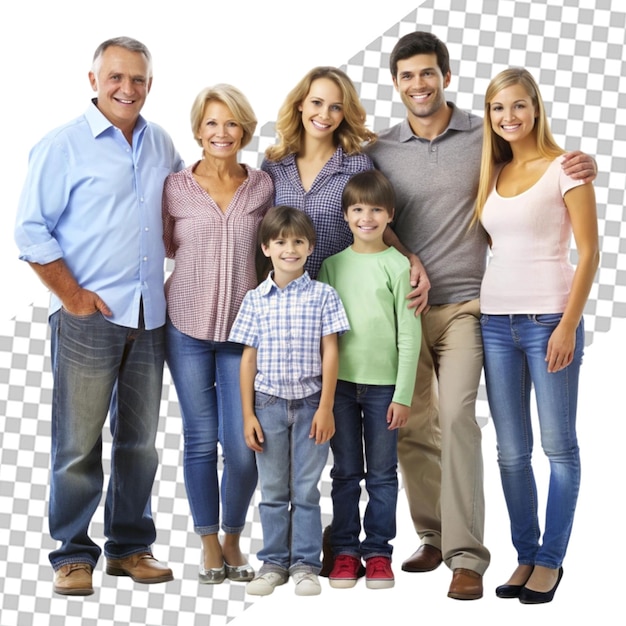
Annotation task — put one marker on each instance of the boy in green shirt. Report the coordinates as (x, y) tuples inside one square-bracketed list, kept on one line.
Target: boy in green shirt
[(377, 367)]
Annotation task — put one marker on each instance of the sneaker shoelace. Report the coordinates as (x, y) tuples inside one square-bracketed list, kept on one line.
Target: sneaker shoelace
[(379, 566), (344, 565)]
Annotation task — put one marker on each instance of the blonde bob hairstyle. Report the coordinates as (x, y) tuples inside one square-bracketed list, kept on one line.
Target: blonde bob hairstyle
[(237, 104), (497, 150), (351, 134)]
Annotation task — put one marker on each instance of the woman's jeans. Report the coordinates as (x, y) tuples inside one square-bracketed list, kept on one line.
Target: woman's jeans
[(206, 377), (515, 349), (290, 468), (363, 449)]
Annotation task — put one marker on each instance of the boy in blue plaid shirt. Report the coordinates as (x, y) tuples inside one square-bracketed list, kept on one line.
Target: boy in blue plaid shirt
[(289, 325)]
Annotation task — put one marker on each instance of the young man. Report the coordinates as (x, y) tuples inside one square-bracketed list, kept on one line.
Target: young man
[(89, 224), (433, 161)]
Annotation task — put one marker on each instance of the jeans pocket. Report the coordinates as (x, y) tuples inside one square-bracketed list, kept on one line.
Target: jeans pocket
[(484, 318), (547, 320), (84, 316), (263, 400), (314, 399)]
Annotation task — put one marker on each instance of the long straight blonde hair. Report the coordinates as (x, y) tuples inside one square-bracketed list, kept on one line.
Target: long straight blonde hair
[(497, 150)]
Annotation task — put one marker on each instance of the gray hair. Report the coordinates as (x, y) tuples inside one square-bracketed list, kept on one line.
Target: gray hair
[(128, 43)]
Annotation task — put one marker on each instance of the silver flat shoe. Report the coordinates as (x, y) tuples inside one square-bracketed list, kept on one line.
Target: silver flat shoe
[(239, 573), (211, 576)]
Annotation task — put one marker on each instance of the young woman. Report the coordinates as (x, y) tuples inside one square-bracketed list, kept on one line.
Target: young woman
[(211, 214), (321, 132), (532, 302)]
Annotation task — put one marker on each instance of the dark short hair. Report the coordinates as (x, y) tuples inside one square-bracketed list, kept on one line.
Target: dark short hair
[(419, 42), (285, 221), (370, 187)]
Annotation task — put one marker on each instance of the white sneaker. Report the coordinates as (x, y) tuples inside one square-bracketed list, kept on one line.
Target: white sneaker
[(307, 583), (264, 584)]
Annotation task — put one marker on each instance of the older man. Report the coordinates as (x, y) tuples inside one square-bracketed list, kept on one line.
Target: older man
[(89, 224)]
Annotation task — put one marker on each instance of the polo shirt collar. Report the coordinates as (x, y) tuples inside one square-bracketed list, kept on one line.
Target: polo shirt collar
[(459, 120)]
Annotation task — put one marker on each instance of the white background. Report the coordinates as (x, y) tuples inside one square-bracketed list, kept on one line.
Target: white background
[(264, 48)]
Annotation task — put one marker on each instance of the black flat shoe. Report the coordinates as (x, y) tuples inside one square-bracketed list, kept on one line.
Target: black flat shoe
[(511, 591), (528, 596)]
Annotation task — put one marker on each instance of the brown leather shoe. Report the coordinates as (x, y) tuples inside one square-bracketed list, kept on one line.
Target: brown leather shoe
[(466, 585), (73, 579), (141, 567), (425, 559)]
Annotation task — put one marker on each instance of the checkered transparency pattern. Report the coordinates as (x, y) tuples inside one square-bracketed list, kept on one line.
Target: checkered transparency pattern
[(575, 51)]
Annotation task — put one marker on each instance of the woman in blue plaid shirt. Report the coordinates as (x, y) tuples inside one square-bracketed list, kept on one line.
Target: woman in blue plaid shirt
[(321, 133)]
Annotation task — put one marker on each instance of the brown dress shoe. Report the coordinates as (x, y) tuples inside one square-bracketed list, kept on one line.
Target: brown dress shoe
[(141, 567), (466, 585), (425, 559), (73, 579)]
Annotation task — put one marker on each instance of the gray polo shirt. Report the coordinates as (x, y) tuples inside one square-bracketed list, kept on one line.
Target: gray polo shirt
[(436, 184)]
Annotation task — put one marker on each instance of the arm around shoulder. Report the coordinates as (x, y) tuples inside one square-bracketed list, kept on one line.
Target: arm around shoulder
[(580, 166)]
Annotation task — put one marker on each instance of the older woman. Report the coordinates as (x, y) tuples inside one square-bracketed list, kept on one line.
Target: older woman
[(211, 212)]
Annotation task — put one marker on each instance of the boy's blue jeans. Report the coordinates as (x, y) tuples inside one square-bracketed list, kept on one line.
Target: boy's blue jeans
[(290, 468), (363, 449)]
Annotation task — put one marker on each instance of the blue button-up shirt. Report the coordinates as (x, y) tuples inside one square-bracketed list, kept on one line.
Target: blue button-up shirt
[(94, 200), (286, 327)]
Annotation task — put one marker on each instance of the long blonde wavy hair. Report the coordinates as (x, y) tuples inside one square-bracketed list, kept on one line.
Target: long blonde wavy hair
[(351, 134)]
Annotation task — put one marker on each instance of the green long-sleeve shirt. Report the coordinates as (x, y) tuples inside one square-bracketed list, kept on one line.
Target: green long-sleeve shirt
[(383, 344)]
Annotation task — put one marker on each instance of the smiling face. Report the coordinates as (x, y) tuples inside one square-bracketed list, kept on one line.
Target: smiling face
[(121, 82), (219, 131), (421, 85), (288, 254), (512, 114), (367, 223), (322, 109)]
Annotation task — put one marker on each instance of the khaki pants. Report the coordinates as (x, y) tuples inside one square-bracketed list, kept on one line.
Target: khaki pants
[(440, 448)]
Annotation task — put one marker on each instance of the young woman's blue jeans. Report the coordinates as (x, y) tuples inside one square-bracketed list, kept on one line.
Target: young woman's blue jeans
[(363, 448), (514, 351), (206, 377), (290, 468), (99, 367)]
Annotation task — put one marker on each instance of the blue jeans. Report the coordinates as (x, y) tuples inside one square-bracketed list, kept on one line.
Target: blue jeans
[(515, 349), (363, 448), (98, 366), (290, 468), (206, 377)]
